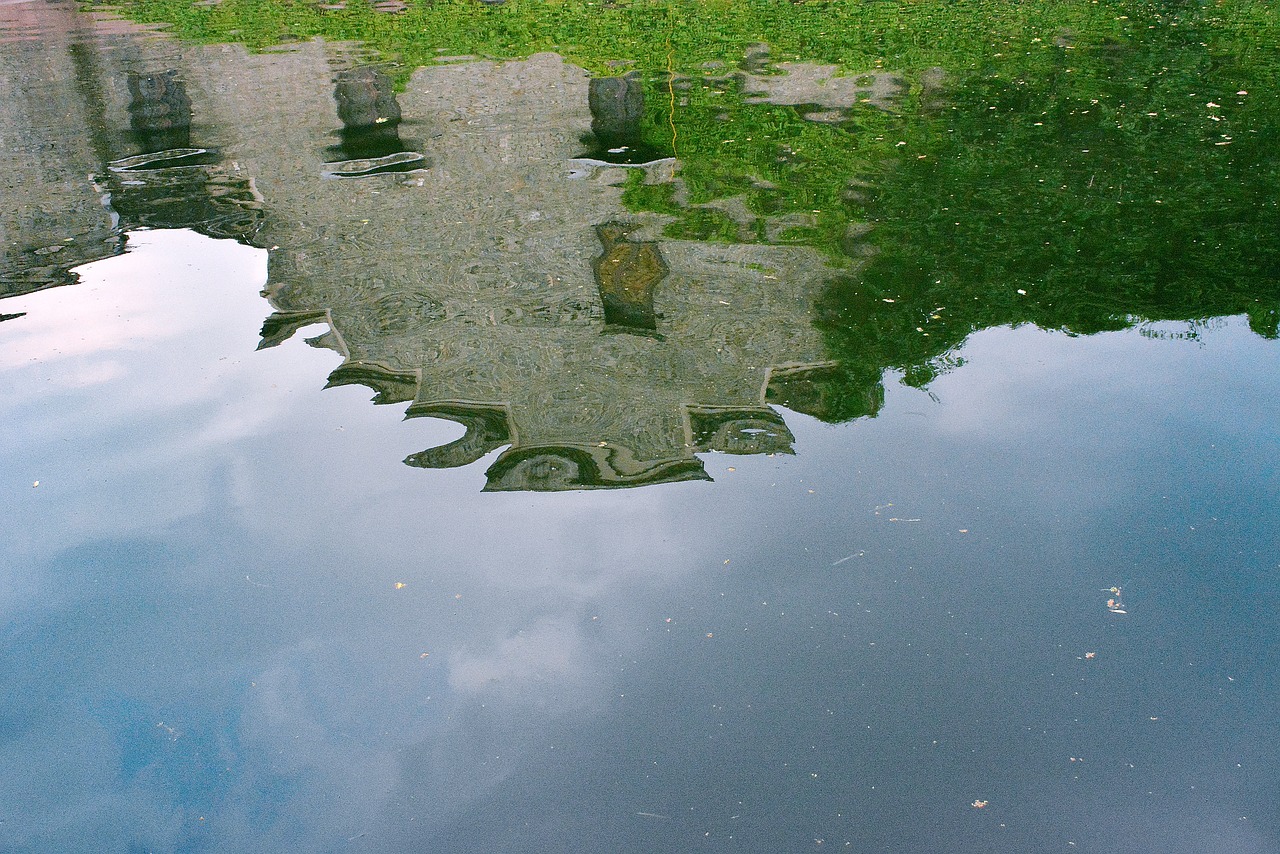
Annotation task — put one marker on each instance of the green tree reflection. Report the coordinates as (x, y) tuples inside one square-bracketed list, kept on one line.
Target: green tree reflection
[(1135, 181)]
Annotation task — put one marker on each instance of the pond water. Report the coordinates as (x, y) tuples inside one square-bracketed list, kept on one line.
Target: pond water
[(640, 429)]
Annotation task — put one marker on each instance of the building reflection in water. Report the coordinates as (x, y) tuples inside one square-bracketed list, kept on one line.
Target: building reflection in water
[(172, 183), (506, 287), (98, 140), (369, 141), (617, 106)]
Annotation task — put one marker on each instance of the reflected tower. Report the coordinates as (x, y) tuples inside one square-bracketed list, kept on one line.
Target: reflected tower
[(159, 111), (369, 141), (617, 106)]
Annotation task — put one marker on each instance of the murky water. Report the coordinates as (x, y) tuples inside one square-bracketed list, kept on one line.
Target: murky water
[(763, 455)]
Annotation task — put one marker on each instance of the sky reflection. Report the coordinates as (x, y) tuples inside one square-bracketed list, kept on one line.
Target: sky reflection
[(207, 647)]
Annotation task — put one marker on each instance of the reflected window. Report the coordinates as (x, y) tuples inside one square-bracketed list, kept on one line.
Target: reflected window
[(627, 273), (754, 430)]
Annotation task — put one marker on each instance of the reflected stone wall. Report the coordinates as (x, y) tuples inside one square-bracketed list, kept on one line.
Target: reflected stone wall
[(478, 288), (96, 137), (478, 269), (52, 217)]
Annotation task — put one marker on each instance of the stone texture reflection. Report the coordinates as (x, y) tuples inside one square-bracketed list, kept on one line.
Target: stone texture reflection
[(96, 138), (617, 106), (493, 278), (503, 288), (369, 141), (52, 219)]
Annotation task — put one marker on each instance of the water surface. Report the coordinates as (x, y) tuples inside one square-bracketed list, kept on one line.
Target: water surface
[(766, 452)]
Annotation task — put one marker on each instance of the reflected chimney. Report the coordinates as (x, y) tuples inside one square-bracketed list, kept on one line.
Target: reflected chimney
[(159, 111), (370, 114), (617, 121)]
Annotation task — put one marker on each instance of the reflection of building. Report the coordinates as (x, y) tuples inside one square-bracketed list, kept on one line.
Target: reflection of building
[(96, 137), (507, 288), (488, 277), (52, 218)]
